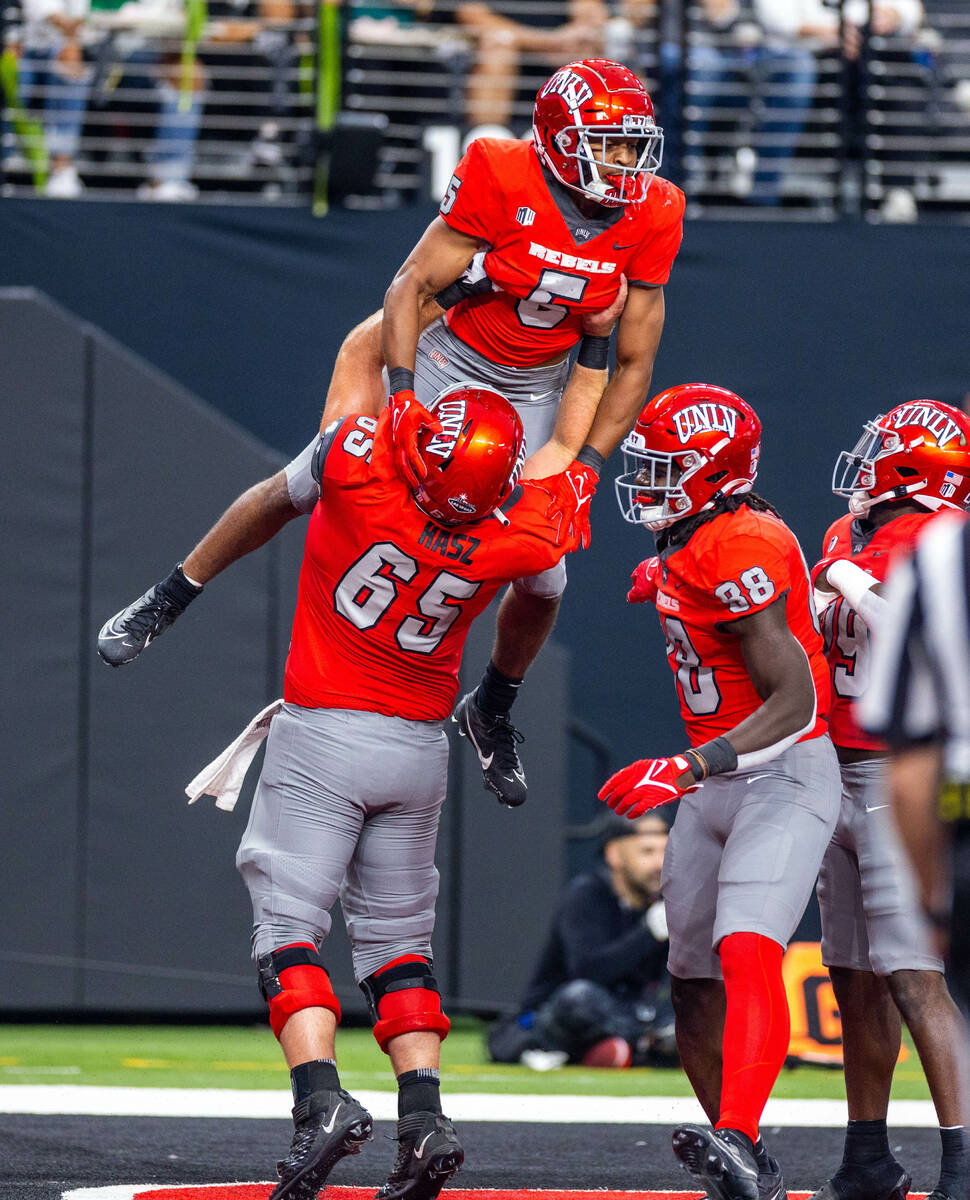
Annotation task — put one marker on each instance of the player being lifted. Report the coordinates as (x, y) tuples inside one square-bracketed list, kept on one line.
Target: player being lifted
[(760, 783), (356, 763), (908, 467), (562, 220)]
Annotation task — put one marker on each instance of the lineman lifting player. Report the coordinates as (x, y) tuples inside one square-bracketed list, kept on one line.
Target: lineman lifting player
[(561, 220)]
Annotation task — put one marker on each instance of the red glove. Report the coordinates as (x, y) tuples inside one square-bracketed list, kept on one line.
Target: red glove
[(408, 418), (646, 582), (569, 495), (647, 784)]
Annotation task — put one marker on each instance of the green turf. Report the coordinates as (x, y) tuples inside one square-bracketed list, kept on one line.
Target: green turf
[(248, 1057)]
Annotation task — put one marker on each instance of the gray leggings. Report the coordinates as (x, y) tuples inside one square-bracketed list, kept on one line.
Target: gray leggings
[(347, 805)]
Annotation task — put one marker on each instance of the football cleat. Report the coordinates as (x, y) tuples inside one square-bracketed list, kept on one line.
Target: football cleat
[(771, 1182), (127, 633), (428, 1154), (494, 739), (720, 1160), (329, 1125), (883, 1180)]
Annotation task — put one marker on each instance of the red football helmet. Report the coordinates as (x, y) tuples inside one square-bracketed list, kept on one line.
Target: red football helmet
[(920, 450), (577, 111), (476, 461), (691, 446)]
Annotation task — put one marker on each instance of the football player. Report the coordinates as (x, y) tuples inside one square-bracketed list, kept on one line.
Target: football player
[(561, 220), (910, 466), (760, 782), (355, 771)]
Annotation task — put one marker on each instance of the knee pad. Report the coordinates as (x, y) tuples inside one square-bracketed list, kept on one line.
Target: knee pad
[(403, 998), (293, 978)]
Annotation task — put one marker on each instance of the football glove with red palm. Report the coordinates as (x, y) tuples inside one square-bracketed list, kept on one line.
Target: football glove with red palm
[(408, 419), (646, 582), (569, 495), (646, 784)]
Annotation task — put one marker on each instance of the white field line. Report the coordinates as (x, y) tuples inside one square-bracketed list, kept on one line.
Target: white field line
[(462, 1106)]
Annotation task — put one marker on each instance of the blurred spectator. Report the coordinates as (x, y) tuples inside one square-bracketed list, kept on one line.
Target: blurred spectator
[(538, 29), (53, 81), (600, 993)]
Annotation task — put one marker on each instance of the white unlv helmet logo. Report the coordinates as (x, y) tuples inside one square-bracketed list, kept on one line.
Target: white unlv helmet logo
[(704, 418), (572, 87)]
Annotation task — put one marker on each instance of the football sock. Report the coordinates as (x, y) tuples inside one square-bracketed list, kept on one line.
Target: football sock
[(866, 1142), (320, 1075), (756, 1028), (955, 1165), (496, 693), (418, 1091)]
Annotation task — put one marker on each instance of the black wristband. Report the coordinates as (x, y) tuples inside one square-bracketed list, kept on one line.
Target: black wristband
[(591, 458), (400, 379), (178, 589), (594, 352), (718, 755)]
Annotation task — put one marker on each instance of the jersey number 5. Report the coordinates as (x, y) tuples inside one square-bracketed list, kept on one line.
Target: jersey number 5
[(540, 310), (369, 587)]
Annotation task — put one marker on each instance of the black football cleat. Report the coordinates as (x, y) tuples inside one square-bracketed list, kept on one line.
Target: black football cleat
[(428, 1154), (494, 739), (883, 1180), (771, 1182), (328, 1126), (127, 633), (720, 1160)]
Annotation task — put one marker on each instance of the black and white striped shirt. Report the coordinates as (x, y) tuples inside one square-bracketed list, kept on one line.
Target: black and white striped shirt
[(919, 689)]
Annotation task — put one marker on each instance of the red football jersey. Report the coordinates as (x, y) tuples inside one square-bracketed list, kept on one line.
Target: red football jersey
[(548, 279), (846, 634), (387, 595), (733, 566)]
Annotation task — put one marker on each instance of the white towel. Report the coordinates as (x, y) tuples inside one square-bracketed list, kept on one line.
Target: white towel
[(224, 776)]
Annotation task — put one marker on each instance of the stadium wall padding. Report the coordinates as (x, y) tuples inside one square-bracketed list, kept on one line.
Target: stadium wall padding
[(818, 326), (116, 897)]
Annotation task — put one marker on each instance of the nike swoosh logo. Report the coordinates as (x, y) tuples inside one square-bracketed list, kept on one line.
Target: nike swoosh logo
[(542, 396), (875, 807), (419, 1150), (333, 1117), (755, 778), (617, 246)]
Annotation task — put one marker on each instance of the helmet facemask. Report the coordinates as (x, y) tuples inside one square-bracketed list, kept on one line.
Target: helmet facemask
[(587, 146), (854, 477), (650, 491)]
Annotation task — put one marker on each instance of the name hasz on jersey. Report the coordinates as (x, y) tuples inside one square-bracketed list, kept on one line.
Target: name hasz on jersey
[(939, 424)]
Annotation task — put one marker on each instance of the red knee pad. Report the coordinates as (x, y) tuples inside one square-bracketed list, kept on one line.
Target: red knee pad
[(293, 978), (403, 998)]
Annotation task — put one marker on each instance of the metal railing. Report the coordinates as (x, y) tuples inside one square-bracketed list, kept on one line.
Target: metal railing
[(240, 103)]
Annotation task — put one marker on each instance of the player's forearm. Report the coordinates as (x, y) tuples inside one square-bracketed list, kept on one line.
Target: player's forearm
[(788, 707), (582, 395), (620, 406), (248, 523)]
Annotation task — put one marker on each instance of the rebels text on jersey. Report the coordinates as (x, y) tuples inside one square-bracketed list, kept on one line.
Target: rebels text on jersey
[(386, 595), (846, 634), (732, 566), (548, 262)]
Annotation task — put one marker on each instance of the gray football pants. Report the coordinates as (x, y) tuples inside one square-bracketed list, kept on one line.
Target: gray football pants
[(347, 806)]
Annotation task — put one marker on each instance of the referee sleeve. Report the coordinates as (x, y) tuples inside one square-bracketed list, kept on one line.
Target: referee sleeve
[(901, 703)]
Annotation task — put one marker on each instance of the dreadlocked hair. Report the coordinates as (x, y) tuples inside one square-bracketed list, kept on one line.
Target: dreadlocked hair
[(681, 532)]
